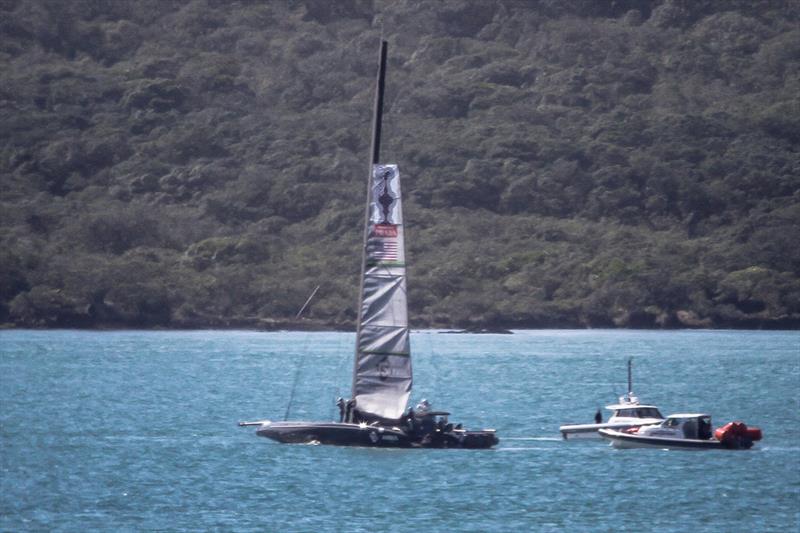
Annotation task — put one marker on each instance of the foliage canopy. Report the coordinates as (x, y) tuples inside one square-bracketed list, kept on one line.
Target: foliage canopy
[(566, 164)]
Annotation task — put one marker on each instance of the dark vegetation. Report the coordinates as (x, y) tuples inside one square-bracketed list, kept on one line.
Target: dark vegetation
[(584, 163)]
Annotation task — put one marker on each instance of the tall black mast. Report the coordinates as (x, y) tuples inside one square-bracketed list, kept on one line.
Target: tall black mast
[(377, 117), (374, 158)]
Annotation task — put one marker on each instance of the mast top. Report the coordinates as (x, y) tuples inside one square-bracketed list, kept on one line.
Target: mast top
[(378, 110)]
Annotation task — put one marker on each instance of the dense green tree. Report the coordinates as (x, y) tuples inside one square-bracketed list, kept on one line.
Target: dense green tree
[(590, 163)]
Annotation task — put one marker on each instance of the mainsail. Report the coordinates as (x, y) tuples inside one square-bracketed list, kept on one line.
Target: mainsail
[(382, 374)]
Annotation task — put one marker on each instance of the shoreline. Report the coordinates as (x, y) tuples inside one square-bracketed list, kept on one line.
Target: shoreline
[(295, 328)]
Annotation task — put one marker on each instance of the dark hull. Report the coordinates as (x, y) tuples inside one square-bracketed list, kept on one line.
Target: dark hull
[(624, 440), (373, 436)]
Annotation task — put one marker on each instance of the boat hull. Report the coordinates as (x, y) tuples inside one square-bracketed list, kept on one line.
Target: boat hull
[(373, 436), (591, 431), (625, 440)]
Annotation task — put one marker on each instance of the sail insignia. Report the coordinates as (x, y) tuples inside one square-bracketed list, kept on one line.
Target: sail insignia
[(383, 373)]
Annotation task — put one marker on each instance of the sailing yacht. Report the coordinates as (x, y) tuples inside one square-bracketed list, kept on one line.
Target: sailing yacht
[(382, 377)]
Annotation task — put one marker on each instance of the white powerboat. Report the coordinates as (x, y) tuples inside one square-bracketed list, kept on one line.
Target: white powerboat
[(628, 413), (686, 432)]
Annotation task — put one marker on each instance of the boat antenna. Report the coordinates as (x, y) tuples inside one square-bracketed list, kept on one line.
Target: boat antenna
[(375, 152), (630, 379)]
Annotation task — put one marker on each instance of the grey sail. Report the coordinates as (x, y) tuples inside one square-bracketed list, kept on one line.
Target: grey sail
[(382, 374)]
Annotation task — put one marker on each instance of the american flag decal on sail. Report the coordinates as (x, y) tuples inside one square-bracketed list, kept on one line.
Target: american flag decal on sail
[(382, 249)]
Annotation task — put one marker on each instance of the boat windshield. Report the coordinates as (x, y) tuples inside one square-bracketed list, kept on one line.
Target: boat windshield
[(649, 412), (673, 422), (639, 412)]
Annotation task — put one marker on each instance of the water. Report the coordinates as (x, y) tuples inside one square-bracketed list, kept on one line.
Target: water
[(137, 431)]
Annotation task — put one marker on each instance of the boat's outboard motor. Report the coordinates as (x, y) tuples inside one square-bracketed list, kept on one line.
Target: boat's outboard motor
[(737, 435)]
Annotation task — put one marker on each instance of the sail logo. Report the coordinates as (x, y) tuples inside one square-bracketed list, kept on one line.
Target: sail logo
[(384, 230), (382, 249), (385, 196), (386, 199)]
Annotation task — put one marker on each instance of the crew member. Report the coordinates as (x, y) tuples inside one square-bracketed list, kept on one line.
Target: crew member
[(426, 421), (340, 405)]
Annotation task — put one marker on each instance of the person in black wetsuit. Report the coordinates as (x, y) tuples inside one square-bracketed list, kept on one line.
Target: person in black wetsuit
[(598, 417), (340, 405), (349, 411), (426, 421), (408, 421)]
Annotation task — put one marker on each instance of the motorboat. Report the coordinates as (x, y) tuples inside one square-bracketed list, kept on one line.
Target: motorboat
[(685, 432), (625, 414)]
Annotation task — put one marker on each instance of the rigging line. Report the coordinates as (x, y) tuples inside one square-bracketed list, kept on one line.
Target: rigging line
[(300, 312), (299, 363), (340, 348), (296, 380), (434, 361)]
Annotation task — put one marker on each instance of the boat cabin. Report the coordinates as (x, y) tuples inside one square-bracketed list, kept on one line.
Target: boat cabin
[(635, 411), (692, 426), (682, 426)]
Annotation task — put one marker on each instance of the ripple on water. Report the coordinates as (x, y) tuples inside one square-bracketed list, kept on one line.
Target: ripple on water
[(137, 431)]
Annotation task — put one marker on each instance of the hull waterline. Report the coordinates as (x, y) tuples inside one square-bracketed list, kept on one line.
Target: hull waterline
[(373, 436), (626, 441), (591, 431)]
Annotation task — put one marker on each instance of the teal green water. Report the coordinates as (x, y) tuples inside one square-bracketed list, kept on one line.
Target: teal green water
[(137, 431)]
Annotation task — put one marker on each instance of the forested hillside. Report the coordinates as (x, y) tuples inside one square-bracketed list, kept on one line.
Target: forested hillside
[(576, 163)]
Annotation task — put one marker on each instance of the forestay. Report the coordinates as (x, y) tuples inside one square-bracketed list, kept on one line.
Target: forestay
[(382, 376)]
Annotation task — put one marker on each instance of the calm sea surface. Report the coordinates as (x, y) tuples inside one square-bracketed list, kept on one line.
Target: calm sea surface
[(137, 431)]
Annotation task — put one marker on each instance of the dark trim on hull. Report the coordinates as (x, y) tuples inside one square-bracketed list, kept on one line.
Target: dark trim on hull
[(374, 436)]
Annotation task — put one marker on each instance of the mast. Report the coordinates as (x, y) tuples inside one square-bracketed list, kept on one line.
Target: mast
[(630, 384), (377, 117), (374, 157)]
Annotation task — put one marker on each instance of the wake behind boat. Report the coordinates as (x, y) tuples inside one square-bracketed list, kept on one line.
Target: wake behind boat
[(626, 414), (376, 414)]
